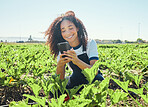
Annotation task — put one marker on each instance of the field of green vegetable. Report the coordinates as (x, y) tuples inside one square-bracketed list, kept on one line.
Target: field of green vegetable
[(27, 75)]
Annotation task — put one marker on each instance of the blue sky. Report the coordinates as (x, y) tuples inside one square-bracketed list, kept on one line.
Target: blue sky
[(103, 19)]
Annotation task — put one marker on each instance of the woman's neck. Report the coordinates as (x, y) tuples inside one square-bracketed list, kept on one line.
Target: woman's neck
[(74, 44)]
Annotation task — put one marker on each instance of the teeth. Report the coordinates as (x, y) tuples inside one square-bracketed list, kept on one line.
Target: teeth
[(70, 36)]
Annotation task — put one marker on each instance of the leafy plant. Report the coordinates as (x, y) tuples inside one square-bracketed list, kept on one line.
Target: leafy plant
[(25, 66), (117, 96), (57, 102)]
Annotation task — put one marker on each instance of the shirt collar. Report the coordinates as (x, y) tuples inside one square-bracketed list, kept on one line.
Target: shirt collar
[(77, 47)]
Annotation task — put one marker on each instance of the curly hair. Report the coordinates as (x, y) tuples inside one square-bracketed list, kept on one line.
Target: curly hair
[(54, 36)]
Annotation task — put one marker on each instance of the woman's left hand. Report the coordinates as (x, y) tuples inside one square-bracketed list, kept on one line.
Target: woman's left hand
[(72, 56)]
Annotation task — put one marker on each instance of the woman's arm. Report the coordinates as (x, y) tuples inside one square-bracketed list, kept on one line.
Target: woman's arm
[(61, 70), (92, 54), (61, 67), (82, 65), (73, 57)]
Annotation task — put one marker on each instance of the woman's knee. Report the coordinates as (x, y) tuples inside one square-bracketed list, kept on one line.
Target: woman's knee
[(98, 77)]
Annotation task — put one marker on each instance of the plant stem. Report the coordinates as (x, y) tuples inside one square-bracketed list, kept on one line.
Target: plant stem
[(135, 100)]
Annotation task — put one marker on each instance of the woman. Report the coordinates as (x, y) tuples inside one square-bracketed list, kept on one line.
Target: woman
[(83, 53)]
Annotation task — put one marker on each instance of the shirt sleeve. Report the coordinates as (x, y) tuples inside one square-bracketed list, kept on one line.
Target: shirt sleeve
[(92, 51)]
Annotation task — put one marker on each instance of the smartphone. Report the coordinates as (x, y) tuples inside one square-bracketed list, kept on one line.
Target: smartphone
[(63, 46)]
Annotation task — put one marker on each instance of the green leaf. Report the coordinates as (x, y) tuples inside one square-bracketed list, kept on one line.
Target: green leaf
[(137, 91), (117, 96), (47, 86), (40, 101), (79, 102), (100, 98), (136, 78), (57, 102), (35, 88), (86, 90), (73, 91), (61, 99), (2, 74), (104, 84), (145, 69), (91, 73), (62, 85), (145, 86), (123, 85), (18, 104)]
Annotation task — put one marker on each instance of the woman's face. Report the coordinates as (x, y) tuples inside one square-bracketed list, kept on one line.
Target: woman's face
[(69, 32)]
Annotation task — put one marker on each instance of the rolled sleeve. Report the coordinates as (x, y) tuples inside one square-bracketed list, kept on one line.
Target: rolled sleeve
[(92, 50)]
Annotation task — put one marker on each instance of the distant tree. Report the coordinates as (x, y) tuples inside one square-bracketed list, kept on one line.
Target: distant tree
[(117, 41), (126, 41), (139, 40)]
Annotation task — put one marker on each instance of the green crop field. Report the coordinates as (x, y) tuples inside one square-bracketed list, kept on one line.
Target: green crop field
[(27, 75)]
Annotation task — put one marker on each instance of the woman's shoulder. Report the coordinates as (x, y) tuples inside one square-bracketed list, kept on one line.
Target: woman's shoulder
[(91, 42)]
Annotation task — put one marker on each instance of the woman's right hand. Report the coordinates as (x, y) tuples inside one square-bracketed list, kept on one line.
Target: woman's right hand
[(63, 60), (61, 66)]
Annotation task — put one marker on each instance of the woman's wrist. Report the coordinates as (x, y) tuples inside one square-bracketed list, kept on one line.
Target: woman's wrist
[(82, 64), (60, 64)]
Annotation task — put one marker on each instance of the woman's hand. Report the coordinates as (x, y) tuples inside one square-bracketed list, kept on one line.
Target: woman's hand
[(71, 56), (63, 60)]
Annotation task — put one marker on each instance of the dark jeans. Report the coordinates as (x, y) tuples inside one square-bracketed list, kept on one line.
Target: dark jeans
[(98, 77)]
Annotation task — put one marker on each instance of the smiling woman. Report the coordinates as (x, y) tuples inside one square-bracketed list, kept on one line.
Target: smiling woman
[(68, 28), (58, 27)]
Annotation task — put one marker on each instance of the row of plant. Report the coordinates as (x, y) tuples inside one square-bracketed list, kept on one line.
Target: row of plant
[(28, 75)]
